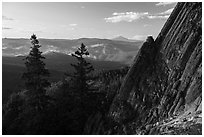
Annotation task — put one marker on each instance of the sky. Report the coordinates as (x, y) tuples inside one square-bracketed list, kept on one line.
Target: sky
[(69, 20)]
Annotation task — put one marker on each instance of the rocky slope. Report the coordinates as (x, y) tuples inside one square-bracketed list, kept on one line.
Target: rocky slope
[(163, 89)]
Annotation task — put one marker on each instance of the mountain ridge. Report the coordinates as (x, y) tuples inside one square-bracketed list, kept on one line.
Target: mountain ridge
[(99, 49), (121, 38)]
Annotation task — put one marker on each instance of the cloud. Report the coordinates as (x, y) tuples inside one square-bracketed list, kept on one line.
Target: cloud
[(169, 11), (6, 18), (19, 48), (73, 24), (6, 28), (165, 3), (125, 16), (147, 25), (133, 16), (161, 15), (158, 16)]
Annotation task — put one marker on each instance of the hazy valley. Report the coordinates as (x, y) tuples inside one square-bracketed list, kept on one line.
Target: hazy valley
[(118, 50)]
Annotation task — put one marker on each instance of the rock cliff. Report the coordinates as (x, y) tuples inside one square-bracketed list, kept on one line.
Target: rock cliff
[(165, 79)]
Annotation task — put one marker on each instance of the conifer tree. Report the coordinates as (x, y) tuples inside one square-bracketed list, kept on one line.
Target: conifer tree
[(35, 76), (82, 70)]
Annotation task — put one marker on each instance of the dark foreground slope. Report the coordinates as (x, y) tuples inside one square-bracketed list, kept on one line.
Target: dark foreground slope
[(162, 92), (57, 63)]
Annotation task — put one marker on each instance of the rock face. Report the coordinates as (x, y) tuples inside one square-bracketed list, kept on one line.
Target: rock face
[(162, 92), (166, 76)]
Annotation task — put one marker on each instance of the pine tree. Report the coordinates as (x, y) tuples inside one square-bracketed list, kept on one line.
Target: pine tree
[(35, 76), (82, 70)]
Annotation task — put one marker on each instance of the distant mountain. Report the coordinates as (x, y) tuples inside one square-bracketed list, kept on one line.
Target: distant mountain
[(57, 63), (99, 49), (121, 38)]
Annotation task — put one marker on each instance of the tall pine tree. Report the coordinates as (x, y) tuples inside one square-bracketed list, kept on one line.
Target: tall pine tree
[(35, 77), (82, 70)]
